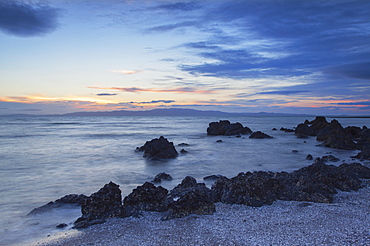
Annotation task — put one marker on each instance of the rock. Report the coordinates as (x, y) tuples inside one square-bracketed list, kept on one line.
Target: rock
[(295, 151), (61, 225), (259, 135), (212, 177), (224, 127), (304, 130), (104, 204), (182, 151), (195, 200), (309, 157), (186, 184), (286, 129), (302, 136), (183, 144), (162, 176), (327, 158), (147, 197), (274, 129), (363, 155), (219, 141), (159, 148), (73, 199), (252, 189), (337, 141)]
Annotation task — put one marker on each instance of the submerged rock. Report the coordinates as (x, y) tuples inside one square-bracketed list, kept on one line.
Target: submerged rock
[(159, 148), (73, 199), (162, 176), (259, 135), (224, 127)]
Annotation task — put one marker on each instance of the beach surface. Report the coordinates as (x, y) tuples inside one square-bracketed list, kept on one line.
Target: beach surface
[(346, 221)]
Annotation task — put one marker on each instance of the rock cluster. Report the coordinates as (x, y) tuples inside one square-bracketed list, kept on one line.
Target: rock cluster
[(334, 135), (159, 148), (224, 127)]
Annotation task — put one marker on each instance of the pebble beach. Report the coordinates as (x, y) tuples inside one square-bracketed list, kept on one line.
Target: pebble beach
[(344, 222)]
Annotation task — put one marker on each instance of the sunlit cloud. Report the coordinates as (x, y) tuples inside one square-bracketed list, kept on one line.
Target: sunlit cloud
[(157, 90), (126, 72)]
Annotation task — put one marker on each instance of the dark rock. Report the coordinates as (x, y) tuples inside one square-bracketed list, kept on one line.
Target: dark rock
[(182, 151), (274, 129), (318, 160), (295, 151), (159, 148), (286, 129), (195, 200), (147, 197), (363, 155), (61, 225), (162, 176), (224, 127), (219, 141), (302, 136), (304, 130), (186, 184), (327, 158), (309, 157), (252, 189), (259, 135), (183, 144), (73, 199), (212, 177), (104, 204), (337, 141)]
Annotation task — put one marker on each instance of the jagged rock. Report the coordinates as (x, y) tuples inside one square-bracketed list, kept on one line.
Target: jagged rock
[(162, 176), (304, 130), (183, 144), (104, 204), (252, 189), (286, 129), (337, 141), (224, 127), (186, 184), (309, 157), (158, 148), (193, 200), (259, 135), (147, 197), (67, 199)]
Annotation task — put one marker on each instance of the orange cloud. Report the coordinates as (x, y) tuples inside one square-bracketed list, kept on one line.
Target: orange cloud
[(126, 72), (174, 90)]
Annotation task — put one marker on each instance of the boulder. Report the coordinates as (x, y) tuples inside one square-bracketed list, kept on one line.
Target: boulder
[(363, 155), (304, 130), (327, 158), (224, 127), (309, 157), (159, 148), (73, 199), (196, 199), (259, 135), (104, 204), (147, 197), (162, 176)]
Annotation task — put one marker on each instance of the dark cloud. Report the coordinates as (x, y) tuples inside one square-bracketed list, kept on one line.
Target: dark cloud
[(25, 20), (354, 70), (155, 101), (179, 6), (365, 103), (106, 94)]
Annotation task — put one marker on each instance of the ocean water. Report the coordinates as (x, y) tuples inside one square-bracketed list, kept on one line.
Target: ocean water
[(45, 158)]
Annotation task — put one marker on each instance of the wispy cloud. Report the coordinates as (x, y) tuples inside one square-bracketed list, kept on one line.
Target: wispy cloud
[(126, 72), (155, 102), (106, 94), (24, 19), (170, 90)]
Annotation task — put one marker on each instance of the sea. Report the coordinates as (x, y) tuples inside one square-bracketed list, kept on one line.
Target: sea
[(43, 158)]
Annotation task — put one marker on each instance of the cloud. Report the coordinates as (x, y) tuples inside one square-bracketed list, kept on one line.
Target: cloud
[(174, 90), (282, 92), (155, 101), (106, 94), (360, 103), (352, 70), (178, 6), (25, 20), (126, 72)]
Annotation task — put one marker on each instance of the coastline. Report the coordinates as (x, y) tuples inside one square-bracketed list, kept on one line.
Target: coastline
[(343, 222)]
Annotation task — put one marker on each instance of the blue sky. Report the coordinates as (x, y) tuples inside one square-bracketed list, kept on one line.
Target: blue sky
[(62, 56)]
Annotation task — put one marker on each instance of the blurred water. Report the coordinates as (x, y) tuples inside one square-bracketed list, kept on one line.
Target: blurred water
[(45, 158)]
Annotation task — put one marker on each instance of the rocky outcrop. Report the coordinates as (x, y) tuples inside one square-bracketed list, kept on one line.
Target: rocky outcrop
[(224, 127), (147, 197), (104, 204), (363, 155), (259, 135), (73, 199), (158, 148), (191, 198)]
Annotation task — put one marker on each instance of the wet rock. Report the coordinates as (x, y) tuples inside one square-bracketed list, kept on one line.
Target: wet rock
[(162, 176), (147, 197), (338, 141), (182, 151), (274, 129), (73, 199), (304, 130), (224, 127), (363, 155), (193, 200), (219, 141), (183, 144), (159, 148), (104, 204), (309, 157), (302, 136), (327, 158), (61, 225), (295, 151), (286, 129), (259, 135), (212, 177), (186, 184)]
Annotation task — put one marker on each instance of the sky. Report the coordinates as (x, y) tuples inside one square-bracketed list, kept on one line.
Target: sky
[(282, 56)]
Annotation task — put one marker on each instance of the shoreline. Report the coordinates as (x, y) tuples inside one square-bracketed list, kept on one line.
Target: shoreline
[(343, 222)]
